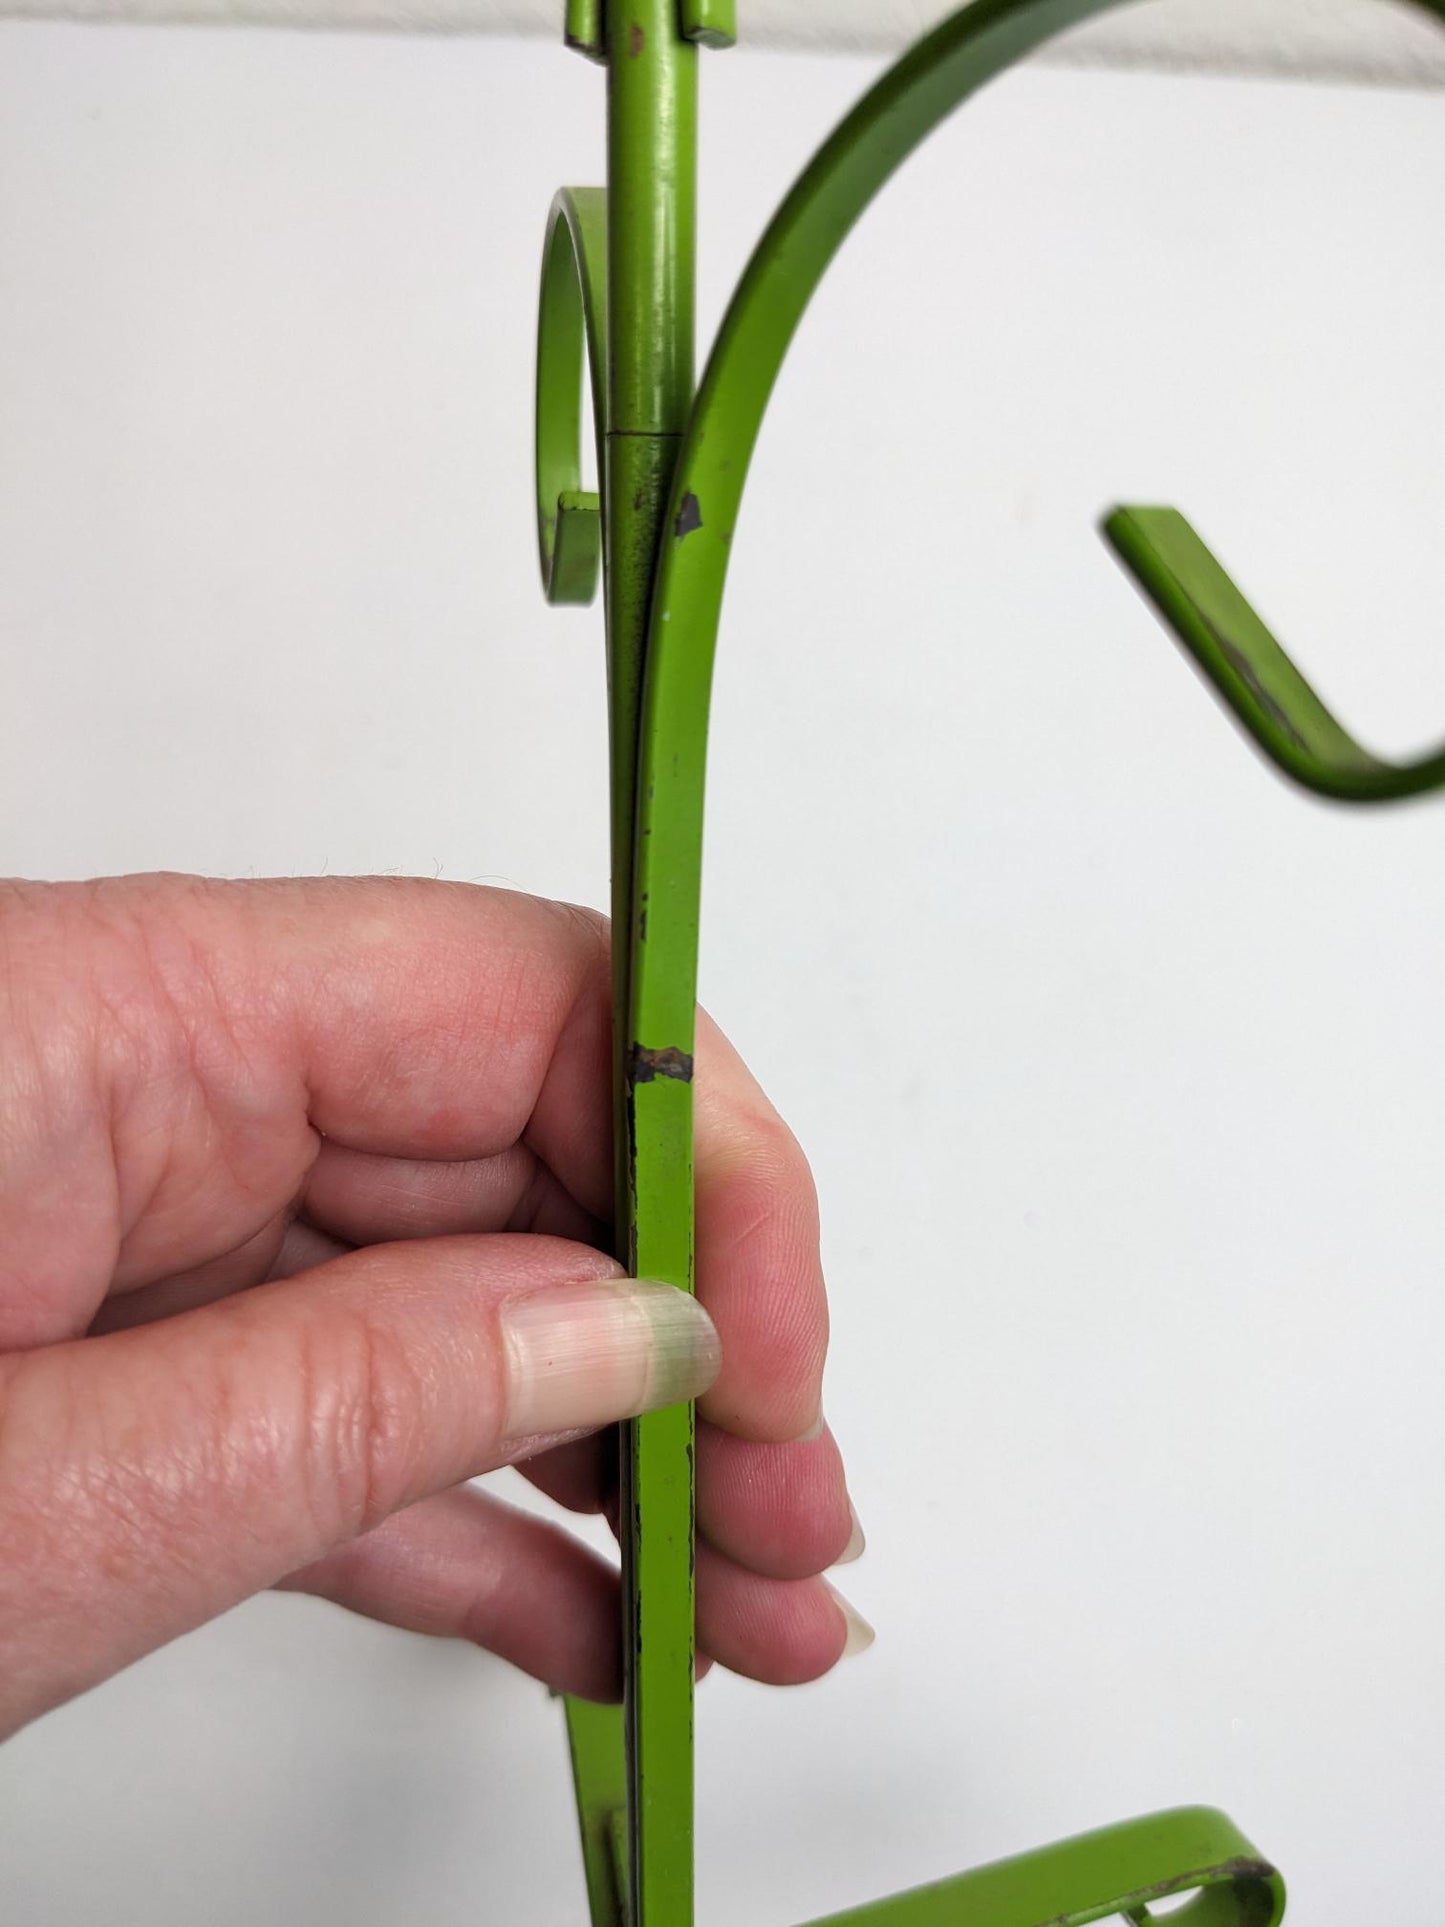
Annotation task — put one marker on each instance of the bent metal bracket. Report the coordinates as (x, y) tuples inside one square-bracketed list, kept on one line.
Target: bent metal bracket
[(672, 459)]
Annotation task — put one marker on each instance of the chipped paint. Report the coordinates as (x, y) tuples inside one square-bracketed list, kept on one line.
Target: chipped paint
[(643, 1065)]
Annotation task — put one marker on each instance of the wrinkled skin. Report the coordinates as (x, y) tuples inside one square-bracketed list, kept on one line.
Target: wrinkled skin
[(274, 1159)]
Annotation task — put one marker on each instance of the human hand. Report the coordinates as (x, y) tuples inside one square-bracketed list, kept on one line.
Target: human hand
[(300, 1188)]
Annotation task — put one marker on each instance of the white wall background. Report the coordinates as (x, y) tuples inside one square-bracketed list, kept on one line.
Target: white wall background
[(1120, 1064)]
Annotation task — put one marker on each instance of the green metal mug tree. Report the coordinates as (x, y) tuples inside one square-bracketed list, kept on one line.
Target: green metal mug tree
[(617, 308)]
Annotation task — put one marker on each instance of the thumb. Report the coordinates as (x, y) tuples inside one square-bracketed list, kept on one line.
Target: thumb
[(151, 1478)]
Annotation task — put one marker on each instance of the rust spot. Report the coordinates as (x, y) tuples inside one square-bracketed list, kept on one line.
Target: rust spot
[(636, 40), (689, 517), (643, 1065)]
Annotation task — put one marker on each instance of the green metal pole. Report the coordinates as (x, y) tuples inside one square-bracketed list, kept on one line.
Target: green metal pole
[(651, 203), (651, 198), (670, 507)]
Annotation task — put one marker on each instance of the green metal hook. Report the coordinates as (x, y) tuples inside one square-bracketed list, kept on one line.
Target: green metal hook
[(571, 329), (961, 56), (1249, 669)]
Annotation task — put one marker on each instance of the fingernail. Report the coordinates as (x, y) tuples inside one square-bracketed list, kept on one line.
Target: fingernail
[(857, 1545), (586, 1355), (814, 1431), (860, 1634)]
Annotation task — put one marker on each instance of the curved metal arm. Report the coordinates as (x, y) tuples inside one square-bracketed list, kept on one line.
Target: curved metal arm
[(1116, 1874), (571, 328), (1250, 670), (957, 59)]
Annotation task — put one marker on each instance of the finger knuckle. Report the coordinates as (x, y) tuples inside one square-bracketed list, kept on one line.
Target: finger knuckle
[(362, 1394)]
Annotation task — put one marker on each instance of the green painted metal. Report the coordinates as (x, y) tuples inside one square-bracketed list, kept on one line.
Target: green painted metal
[(586, 29), (1118, 1871), (956, 60), (673, 470), (618, 272), (652, 188), (571, 328), (599, 1781), (1250, 670), (709, 23)]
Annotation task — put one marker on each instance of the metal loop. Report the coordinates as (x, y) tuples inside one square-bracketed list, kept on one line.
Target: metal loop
[(571, 330)]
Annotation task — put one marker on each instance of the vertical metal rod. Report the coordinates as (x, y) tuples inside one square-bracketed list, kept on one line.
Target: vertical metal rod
[(651, 180), (651, 197)]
